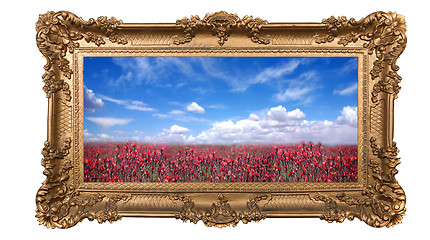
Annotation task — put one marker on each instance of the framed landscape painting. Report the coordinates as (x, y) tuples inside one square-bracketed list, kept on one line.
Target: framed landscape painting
[(220, 119)]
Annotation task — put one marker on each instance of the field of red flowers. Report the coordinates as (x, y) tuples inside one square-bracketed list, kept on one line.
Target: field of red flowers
[(132, 162)]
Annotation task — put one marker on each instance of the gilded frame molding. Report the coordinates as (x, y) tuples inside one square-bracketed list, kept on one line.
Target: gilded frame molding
[(64, 199)]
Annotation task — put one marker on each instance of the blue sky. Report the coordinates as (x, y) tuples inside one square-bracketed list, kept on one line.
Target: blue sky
[(221, 99)]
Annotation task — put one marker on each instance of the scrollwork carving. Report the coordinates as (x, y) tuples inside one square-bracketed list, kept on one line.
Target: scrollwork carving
[(220, 214), (221, 23), (110, 211), (332, 213), (383, 33), (187, 211)]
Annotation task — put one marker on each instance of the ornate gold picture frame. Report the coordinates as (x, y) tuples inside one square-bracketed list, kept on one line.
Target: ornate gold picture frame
[(376, 198)]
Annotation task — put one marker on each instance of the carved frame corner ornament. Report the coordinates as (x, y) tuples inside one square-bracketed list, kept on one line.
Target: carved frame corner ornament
[(62, 202), (382, 203), (59, 205), (382, 33), (57, 35)]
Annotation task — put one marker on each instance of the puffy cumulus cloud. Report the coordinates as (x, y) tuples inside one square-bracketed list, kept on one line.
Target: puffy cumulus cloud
[(281, 114), (107, 122), (175, 129), (348, 117), (276, 125), (194, 107), (281, 126), (279, 117), (255, 129), (91, 101), (253, 117)]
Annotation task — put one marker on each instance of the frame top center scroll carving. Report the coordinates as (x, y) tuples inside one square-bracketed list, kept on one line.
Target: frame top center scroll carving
[(221, 24)]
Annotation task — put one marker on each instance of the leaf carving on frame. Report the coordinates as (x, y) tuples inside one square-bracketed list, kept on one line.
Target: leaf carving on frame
[(187, 211), (58, 33), (383, 33), (220, 214), (110, 212), (59, 205), (221, 23), (332, 213)]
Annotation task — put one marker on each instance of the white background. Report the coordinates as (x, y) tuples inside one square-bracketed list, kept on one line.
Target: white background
[(24, 114)]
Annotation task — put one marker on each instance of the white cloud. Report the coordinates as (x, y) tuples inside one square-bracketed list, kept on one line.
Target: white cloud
[(266, 75), (151, 70), (202, 91), (91, 101), (350, 65), (296, 114), (347, 91), (194, 107), (180, 84), (299, 88), (119, 132), (140, 108), (175, 134), (176, 112), (156, 71), (281, 126), (279, 117), (349, 116), (179, 116), (135, 70), (253, 117), (87, 134), (292, 94), (104, 136), (107, 122), (130, 105), (101, 137), (276, 125), (217, 106), (175, 129), (117, 101), (160, 115), (276, 72)]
